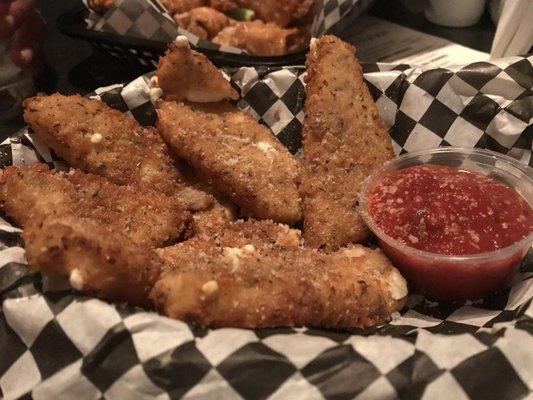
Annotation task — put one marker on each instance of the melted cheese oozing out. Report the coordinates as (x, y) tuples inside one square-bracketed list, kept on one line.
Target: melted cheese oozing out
[(265, 147), (397, 285), (210, 288), (234, 254), (155, 94), (201, 96), (181, 41), (96, 138), (76, 279)]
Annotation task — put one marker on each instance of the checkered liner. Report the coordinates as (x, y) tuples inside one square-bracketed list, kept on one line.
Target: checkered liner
[(57, 344), (148, 19)]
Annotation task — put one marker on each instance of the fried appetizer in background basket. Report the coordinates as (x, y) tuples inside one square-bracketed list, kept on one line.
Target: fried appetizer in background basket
[(97, 259), (34, 192), (343, 140), (239, 157), (95, 138), (262, 39), (185, 74), (181, 6), (172, 6), (281, 12), (254, 274), (204, 22)]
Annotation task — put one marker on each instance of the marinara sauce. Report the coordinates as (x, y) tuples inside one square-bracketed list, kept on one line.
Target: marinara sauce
[(449, 211)]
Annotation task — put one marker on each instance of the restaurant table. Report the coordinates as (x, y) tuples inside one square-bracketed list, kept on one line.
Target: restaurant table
[(74, 66)]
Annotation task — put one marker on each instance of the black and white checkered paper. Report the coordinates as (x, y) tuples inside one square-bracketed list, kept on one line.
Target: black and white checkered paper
[(55, 343), (148, 19)]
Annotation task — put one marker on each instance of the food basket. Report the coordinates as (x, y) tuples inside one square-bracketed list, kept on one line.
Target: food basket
[(59, 344), (139, 31)]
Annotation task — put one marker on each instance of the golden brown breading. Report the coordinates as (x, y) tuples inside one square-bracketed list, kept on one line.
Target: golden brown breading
[(98, 260), (145, 216), (95, 138), (239, 157), (343, 140), (33, 192), (185, 74), (238, 234), (261, 39), (222, 212), (244, 277), (204, 22), (181, 6)]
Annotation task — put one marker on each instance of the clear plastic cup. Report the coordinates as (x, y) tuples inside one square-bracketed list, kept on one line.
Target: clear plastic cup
[(465, 277), (15, 84)]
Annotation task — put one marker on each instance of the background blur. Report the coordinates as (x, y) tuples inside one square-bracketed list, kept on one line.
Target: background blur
[(74, 66)]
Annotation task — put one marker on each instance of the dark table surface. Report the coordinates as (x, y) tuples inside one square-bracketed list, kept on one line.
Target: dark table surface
[(74, 66)]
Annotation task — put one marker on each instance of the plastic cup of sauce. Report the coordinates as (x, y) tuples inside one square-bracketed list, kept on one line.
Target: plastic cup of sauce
[(457, 222)]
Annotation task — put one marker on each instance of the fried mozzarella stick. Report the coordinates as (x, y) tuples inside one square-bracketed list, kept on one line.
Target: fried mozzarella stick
[(185, 74), (34, 192), (343, 140), (254, 274), (95, 138), (241, 158), (261, 39), (98, 260)]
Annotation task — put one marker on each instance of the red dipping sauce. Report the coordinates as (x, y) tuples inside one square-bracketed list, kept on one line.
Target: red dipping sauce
[(454, 234), (445, 210)]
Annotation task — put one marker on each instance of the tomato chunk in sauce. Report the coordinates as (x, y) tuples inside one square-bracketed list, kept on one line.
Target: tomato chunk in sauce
[(446, 210)]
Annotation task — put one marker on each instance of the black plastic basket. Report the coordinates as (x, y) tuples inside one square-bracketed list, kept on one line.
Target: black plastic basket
[(147, 52)]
